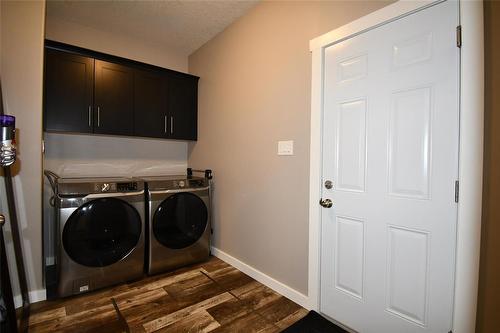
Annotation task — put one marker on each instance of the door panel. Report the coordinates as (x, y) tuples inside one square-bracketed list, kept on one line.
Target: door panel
[(390, 147), (183, 104), (350, 256), (351, 146), (114, 99), (69, 92), (150, 104), (408, 273), (409, 143)]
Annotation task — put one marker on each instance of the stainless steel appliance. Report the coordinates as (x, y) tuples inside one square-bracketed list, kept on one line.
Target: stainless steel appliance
[(100, 233), (179, 221)]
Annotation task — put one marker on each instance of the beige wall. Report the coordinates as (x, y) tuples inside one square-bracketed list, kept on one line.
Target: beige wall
[(116, 44), (22, 29), (488, 319), (255, 90)]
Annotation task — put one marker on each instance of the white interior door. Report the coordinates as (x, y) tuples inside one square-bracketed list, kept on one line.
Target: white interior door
[(390, 148)]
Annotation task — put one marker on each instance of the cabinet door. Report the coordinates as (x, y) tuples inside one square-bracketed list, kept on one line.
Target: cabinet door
[(150, 104), (183, 107), (68, 92), (114, 99)]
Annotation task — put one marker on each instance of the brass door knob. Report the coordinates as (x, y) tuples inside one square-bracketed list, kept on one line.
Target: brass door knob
[(327, 203), (2, 220)]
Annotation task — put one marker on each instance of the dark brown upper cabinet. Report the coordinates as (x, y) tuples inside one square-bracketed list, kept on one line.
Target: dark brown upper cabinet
[(69, 92), (92, 92), (150, 104), (114, 99)]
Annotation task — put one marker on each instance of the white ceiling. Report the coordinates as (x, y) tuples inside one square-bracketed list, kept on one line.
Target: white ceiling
[(182, 25)]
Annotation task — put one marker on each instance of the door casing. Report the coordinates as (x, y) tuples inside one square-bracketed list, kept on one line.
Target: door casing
[(470, 150)]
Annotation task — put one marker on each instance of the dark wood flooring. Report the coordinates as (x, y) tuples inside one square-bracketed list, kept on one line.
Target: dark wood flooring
[(208, 297)]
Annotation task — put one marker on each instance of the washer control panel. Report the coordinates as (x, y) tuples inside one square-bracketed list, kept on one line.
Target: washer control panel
[(126, 187), (79, 187), (115, 187), (105, 187)]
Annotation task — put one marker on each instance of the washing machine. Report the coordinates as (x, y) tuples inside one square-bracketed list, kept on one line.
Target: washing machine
[(100, 226), (178, 221)]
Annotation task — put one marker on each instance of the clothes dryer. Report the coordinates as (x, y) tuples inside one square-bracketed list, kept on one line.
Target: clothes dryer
[(178, 222)]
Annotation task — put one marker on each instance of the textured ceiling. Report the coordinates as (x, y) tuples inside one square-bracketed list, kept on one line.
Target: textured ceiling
[(182, 25)]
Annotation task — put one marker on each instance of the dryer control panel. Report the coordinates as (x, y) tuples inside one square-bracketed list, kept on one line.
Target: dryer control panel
[(189, 183), (179, 183), (158, 183), (198, 183)]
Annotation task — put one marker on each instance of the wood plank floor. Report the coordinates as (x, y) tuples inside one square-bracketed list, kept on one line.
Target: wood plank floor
[(209, 297)]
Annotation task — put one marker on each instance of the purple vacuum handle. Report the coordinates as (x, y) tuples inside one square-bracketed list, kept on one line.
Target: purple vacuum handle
[(7, 121), (7, 140)]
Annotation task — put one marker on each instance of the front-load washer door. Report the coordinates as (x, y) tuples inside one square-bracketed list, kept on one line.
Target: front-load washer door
[(180, 220), (101, 232)]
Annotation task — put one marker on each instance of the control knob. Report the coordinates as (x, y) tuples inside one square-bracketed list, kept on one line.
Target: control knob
[(105, 187)]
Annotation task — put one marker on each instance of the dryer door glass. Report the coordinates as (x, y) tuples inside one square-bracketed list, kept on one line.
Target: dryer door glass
[(180, 220), (101, 232)]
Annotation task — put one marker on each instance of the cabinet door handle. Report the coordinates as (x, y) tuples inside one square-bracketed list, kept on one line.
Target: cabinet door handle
[(165, 124), (171, 124), (90, 116), (98, 117)]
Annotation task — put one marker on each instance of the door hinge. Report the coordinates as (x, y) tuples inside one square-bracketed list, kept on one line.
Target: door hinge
[(457, 189), (459, 36)]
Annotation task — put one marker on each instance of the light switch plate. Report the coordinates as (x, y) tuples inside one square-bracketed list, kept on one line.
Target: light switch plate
[(285, 147)]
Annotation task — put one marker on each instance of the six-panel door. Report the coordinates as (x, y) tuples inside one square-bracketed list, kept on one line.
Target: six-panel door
[(390, 148)]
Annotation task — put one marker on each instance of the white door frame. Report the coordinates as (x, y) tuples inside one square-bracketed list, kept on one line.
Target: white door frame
[(470, 151)]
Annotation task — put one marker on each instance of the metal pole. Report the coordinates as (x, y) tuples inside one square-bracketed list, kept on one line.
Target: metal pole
[(16, 239), (9, 323)]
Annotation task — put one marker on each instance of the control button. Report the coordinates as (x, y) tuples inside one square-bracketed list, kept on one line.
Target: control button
[(182, 183), (105, 187)]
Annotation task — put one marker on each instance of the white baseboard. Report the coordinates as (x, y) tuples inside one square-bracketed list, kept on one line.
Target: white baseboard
[(35, 296), (266, 280)]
